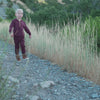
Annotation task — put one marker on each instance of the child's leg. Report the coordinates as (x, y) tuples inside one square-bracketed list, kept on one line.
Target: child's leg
[(22, 43), (16, 41), (16, 46)]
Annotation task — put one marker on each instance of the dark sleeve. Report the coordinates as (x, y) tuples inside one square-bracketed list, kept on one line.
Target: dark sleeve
[(27, 29), (11, 26)]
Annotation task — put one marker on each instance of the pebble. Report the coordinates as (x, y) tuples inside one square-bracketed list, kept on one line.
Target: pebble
[(47, 84), (35, 98), (94, 96)]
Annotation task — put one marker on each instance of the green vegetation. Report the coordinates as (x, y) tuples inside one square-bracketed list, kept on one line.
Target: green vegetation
[(52, 11), (1, 19), (94, 24), (10, 13), (9, 4), (1, 2)]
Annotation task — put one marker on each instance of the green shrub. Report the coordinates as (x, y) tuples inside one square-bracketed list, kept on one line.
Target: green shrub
[(8, 0), (10, 4), (10, 13), (1, 19), (49, 15), (95, 13), (1, 2), (93, 23)]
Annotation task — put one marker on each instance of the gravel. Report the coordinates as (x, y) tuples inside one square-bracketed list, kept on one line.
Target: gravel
[(28, 75)]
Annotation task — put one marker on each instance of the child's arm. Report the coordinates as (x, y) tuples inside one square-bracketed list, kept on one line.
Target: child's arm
[(27, 30), (11, 28)]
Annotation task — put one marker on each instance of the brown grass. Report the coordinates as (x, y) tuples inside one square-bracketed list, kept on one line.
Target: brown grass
[(67, 49)]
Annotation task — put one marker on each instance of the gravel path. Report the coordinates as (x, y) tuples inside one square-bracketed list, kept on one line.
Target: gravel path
[(39, 79)]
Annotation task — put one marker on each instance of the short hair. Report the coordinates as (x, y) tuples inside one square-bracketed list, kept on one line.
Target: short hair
[(19, 10)]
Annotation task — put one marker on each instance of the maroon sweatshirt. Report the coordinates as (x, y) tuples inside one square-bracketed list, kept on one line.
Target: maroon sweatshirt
[(18, 28)]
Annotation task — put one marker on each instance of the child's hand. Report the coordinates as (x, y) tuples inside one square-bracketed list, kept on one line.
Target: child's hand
[(30, 36), (12, 35)]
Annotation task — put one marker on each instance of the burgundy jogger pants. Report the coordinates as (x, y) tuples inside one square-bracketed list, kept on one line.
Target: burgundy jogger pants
[(19, 42)]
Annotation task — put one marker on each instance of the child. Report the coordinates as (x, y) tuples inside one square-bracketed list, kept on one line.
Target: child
[(16, 31)]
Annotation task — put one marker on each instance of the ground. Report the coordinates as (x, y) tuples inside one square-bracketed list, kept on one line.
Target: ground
[(30, 74)]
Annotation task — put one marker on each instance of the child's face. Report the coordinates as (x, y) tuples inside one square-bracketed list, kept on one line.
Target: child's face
[(19, 15)]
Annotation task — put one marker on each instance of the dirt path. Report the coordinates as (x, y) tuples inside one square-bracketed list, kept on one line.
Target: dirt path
[(39, 79)]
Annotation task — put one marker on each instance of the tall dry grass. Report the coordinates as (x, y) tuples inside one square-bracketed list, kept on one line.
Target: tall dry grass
[(64, 46)]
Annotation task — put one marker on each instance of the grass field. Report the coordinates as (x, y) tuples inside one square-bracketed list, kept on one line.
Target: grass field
[(65, 47)]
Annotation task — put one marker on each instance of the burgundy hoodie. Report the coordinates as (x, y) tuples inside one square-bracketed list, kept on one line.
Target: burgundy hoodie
[(18, 28)]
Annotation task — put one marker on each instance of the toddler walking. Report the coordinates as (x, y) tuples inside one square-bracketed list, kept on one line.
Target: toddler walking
[(16, 30)]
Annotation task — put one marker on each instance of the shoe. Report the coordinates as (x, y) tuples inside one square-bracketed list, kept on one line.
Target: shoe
[(24, 56), (18, 57)]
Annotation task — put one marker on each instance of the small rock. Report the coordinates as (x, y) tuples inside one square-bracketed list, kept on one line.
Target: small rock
[(15, 80), (93, 96), (35, 98), (7, 85), (35, 85), (27, 95), (25, 82), (73, 99), (17, 64), (47, 84), (14, 96), (4, 77)]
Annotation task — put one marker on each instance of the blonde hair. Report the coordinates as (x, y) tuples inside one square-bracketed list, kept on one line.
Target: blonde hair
[(19, 10)]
